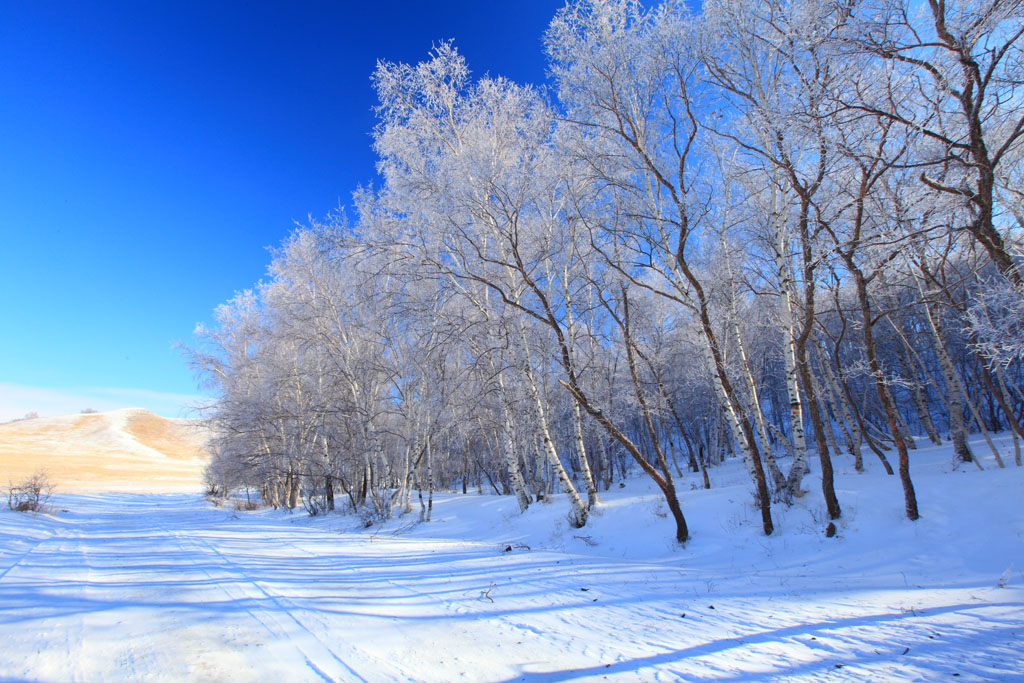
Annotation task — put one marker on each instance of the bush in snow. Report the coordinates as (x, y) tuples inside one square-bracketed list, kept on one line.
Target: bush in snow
[(31, 494)]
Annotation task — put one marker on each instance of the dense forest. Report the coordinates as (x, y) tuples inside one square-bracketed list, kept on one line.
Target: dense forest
[(785, 232)]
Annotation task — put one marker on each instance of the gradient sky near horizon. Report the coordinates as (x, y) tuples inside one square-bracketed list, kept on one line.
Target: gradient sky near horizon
[(151, 152)]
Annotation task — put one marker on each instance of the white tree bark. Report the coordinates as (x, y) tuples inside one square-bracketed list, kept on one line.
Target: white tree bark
[(578, 508), (515, 475), (796, 412)]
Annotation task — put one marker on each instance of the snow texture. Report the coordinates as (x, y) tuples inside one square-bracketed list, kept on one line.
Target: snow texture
[(169, 587)]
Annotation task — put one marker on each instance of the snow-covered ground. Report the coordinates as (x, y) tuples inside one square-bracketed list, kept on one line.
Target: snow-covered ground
[(169, 587)]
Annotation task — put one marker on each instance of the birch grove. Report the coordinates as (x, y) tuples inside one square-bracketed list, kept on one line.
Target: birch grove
[(783, 232)]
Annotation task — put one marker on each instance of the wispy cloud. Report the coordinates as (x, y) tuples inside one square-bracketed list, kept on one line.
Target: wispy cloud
[(16, 400)]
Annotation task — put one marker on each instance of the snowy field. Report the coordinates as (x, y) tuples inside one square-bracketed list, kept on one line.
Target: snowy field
[(168, 588)]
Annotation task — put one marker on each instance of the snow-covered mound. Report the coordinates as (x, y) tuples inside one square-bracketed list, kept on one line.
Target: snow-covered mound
[(122, 450)]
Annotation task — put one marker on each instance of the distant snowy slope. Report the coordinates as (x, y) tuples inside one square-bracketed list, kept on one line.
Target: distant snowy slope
[(123, 450)]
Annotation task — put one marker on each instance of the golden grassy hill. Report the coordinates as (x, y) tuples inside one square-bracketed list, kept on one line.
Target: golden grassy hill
[(123, 450)]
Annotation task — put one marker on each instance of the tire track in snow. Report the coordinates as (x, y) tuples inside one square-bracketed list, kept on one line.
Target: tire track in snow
[(320, 657), (56, 534), (72, 544), (21, 558), (71, 636)]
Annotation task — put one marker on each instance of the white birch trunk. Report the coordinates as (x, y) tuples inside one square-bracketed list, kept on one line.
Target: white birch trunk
[(581, 452), (576, 504), (796, 412), (577, 418), (958, 430), (430, 480), (515, 475), (778, 479), (731, 418)]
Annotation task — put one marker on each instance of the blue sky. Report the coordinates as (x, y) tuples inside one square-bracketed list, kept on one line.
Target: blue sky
[(150, 152)]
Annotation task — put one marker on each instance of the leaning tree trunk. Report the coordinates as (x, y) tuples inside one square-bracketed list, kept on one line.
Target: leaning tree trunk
[(828, 489), (851, 430), (862, 427), (565, 343), (803, 368), (578, 508), (888, 405), (426, 509), (798, 369), (778, 478), (742, 431), (954, 401), (828, 412), (957, 428), (580, 512), (1004, 401), (796, 413), (515, 475), (828, 415), (581, 454), (924, 415), (664, 484), (694, 464)]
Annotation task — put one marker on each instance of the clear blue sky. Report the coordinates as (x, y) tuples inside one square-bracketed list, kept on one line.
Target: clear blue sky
[(151, 151)]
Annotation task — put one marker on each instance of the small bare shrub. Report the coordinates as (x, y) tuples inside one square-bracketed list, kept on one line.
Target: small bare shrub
[(31, 494), (246, 505), (370, 516)]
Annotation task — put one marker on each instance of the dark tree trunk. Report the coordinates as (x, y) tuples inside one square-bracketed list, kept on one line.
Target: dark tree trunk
[(329, 492), (704, 467), (694, 465), (364, 486), (888, 406), (824, 457), (664, 483)]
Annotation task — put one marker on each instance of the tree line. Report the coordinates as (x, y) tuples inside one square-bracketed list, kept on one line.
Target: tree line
[(780, 231)]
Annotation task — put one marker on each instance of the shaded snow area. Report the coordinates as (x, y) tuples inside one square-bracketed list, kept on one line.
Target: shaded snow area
[(169, 588)]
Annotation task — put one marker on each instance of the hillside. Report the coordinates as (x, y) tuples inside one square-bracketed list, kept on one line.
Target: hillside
[(123, 450)]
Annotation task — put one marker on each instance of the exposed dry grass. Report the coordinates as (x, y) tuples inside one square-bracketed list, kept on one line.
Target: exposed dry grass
[(174, 438), (125, 450)]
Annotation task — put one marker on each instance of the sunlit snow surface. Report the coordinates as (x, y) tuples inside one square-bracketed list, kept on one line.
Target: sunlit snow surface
[(169, 588)]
